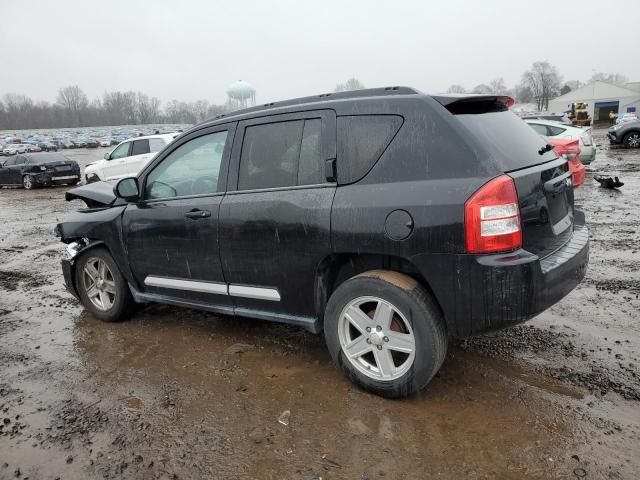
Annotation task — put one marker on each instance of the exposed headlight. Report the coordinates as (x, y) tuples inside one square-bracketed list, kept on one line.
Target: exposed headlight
[(72, 249)]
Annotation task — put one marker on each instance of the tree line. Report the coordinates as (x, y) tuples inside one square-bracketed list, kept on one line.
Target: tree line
[(539, 85), (72, 108)]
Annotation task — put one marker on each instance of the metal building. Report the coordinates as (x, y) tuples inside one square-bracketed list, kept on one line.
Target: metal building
[(601, 98)]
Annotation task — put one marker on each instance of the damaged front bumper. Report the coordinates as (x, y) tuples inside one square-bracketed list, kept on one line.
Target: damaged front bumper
[(73, 249)]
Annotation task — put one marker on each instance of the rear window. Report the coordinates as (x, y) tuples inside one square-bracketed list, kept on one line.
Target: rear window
[(156, 144), (507, 139), (362, 139)]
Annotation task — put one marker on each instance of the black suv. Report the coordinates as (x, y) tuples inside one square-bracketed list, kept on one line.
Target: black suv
[(389, 219)]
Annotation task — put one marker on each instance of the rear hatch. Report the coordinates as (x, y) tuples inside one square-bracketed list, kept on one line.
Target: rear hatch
[(542, 179), (61, 167)]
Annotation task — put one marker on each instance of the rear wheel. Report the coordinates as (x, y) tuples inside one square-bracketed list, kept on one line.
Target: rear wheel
[(385, 332), (28, 182), (632, 140), (102, 289)]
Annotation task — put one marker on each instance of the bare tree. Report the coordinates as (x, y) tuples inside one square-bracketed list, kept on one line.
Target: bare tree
[(351, 84), (498, 86), (74, 101), (482, 89), (456, 89), (543, 80), (615, 78), (148, 108), (574, 84)]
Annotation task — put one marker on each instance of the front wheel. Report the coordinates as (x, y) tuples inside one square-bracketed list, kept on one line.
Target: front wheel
[(102, 288), (632, 140), (385, 332)]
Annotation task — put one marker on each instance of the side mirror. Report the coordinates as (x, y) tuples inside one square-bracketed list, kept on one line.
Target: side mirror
[(127, 189), (107, 156)]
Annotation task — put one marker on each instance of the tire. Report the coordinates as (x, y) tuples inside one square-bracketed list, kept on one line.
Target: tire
[(113, 302), (631, 140), (416, 325), (28, 182)]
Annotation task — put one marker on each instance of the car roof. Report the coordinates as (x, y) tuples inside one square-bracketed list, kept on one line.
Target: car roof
[(165, 136), (323, 100)]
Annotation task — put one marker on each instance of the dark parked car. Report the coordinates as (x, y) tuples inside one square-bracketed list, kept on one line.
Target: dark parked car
[(33, 170), (626, 133), (48, 146), (387, 219)]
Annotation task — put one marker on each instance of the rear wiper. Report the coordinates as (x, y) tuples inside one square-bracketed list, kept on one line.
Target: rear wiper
[(545, 149)]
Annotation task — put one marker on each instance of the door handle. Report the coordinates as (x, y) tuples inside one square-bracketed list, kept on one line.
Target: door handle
[(196, 214)]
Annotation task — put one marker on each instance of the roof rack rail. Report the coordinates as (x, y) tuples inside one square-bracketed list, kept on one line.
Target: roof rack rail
[(365, 92)]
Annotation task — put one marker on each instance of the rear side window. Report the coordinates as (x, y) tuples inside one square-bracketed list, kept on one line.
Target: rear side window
[(541, 129), (309, 172), (156, 144), (361, 141), (282, 154), (553, 131), (140, 147)]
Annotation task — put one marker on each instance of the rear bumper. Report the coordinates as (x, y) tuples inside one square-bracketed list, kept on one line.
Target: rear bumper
[(62, 178), (490, 292), (587, 154)]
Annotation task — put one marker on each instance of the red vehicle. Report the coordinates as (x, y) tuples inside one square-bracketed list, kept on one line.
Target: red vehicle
[(570, 149)]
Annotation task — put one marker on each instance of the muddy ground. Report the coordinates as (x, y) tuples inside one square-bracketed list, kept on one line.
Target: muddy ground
[(186, 394)]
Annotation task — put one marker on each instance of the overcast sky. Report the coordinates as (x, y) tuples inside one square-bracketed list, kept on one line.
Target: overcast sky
[(194, 49)]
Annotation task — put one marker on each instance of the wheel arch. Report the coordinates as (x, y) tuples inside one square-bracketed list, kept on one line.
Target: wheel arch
[(88, 245), (335, 269)]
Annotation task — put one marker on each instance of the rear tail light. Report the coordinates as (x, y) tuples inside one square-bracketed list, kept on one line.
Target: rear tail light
[(492, 218)]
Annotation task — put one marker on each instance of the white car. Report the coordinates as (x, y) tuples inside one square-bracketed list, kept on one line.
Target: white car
[(548, 128), (127, 159), (14, 149), (104, 142)]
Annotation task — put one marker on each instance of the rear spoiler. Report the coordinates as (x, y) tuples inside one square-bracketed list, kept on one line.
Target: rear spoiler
[(470, 104)]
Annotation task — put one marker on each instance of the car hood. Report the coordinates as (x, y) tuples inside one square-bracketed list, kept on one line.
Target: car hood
[(95, 195)]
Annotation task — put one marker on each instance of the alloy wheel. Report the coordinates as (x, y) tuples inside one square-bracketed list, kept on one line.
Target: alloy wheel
[(634, 140), (376, 338), (99, 283)]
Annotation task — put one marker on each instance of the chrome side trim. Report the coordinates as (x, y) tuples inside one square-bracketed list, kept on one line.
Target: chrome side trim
[(191, 285), (258, 293)]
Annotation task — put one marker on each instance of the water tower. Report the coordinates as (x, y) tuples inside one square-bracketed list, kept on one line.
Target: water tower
[(240, 94)]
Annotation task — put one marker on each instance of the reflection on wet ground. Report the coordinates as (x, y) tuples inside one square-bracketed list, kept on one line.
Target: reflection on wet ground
[(186, 394)]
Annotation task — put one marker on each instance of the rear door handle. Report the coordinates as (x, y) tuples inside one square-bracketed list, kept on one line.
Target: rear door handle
[(196, 214)]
